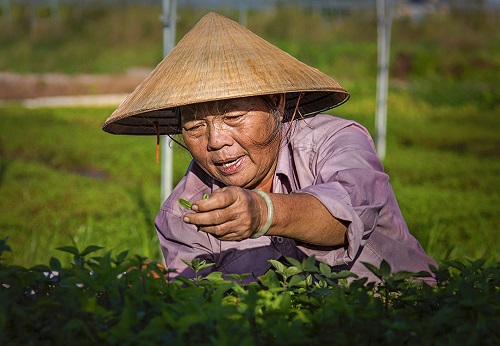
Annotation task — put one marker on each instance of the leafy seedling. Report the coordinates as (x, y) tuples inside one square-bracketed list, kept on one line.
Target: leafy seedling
[(187, 204)]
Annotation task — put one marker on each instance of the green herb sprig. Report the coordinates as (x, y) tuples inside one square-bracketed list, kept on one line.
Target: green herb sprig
[(188, 205)]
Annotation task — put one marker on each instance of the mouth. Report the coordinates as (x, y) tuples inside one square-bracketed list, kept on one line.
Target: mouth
[(228, 167)]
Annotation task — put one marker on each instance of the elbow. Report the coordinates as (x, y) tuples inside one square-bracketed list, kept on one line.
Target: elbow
[(339, 237)]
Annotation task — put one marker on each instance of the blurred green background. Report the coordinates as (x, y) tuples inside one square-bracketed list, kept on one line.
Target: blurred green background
[(64, 181)]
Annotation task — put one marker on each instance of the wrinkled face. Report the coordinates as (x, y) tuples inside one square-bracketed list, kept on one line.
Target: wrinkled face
[(232, 139)]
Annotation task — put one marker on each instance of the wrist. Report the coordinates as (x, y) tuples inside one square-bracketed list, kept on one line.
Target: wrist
[(270, 214)]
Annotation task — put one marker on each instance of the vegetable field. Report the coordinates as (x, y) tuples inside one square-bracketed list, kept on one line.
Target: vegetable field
[(65, 184)]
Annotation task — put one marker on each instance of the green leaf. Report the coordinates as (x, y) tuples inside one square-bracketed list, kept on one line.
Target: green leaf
[(121, 256), (214, 276), (455, 264), (385, 269), (90, 249), (294, 262), (185, 204), (297, 280), (188, 205), (477, 264), (284, 301), (71, 249), (197, 265), (325, 269), (193, 264), (184, 280), (270, 279), (238, 277), (41, 268), (373, 269), (403, 275), (309, 279), (280, 267), (55, 264), (344, 274), (204, 265), (309, 265), (292, 271), (4, 246)]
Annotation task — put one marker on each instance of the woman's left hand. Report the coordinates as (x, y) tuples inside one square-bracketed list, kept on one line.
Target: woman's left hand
[(230, 213)]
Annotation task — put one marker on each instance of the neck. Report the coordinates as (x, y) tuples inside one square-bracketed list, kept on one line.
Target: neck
[(266, 186)]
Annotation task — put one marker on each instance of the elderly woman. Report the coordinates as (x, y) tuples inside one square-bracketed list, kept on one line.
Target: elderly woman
[(282, 179)]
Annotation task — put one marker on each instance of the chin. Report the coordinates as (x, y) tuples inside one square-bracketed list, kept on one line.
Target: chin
[(235, 182)]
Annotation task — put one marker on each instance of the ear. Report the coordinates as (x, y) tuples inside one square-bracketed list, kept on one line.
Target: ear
[(279, 101)]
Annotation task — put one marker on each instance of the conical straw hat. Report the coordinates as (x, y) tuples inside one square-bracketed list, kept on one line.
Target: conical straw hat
[(220, 59)]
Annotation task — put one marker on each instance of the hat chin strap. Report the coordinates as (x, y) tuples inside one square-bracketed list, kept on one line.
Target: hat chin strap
[(301, 95), (295, 111), (157, 141)]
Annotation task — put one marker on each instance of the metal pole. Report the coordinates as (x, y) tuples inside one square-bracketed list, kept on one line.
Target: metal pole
[(6, 9), (169, 19), (384, 20), (243, 12)]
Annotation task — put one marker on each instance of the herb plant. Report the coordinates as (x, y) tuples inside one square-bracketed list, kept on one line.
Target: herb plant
[(110, 300)]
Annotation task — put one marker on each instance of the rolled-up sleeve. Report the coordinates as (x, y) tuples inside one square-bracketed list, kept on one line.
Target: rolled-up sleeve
[(349, 181), (180, 241)]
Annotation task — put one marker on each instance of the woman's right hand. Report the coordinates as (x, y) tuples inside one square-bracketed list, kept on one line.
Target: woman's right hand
[(230, 213)]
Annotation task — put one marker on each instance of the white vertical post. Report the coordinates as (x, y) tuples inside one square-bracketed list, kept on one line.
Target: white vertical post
[(384, 20), (169, 19), (243, 13), (6, 9)]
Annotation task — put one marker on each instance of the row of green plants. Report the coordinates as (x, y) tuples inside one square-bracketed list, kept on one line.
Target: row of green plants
[(101, 299)]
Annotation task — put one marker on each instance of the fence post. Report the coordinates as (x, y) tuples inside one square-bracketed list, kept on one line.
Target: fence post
[(6, 10), (384, 23), (243, 8), (169, 19)]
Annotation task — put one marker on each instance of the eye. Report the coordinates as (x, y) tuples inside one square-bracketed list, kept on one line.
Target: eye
[(233, 118), (194, 128)]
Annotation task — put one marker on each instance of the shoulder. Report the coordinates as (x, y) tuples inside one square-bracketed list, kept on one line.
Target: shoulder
[(324, 127)]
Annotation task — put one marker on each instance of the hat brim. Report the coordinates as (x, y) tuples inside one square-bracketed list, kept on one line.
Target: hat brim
[(220, 59), (167, 121)]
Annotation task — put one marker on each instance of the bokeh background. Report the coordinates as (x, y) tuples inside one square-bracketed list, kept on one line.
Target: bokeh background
[(63, 181)]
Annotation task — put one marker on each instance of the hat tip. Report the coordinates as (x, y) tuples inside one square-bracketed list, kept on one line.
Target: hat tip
[(211, 14)]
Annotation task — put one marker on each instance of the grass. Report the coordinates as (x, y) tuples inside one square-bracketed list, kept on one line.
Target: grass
[(64, 181)]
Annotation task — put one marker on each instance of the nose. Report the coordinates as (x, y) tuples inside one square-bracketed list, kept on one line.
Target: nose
[(218, 136)]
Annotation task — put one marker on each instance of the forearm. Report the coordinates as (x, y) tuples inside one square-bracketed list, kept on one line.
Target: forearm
[(233, 214), (304, 218)]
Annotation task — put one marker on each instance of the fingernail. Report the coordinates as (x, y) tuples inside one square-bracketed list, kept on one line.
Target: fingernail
[(186, 219)]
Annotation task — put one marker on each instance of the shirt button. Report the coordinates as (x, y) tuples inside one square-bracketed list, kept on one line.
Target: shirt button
[(279, 240)]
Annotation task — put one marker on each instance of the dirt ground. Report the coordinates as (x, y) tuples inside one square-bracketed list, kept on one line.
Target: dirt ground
[(15, 86)]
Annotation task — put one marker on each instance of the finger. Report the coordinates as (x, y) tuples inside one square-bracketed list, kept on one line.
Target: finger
[(226, 235), (214, 217), (220, 199), (230, 230)]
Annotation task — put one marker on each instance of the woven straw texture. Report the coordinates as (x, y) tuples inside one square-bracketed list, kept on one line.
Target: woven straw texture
[(220, 59)]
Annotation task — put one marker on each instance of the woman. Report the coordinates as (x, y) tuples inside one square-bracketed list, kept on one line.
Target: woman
[(282, 179)]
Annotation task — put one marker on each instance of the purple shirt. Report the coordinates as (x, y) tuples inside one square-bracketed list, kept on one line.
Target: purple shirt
[(332, 159)]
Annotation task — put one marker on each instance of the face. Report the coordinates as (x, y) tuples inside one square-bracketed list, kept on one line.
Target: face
[(229, 139)]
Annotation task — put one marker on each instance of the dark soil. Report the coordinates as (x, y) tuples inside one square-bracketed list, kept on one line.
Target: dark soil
[(15, 86)]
